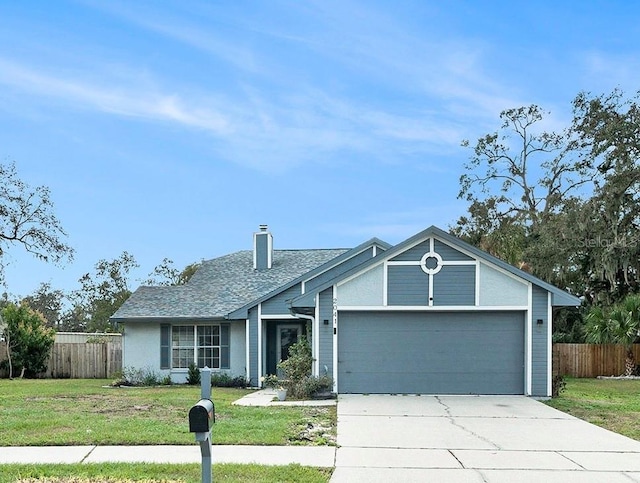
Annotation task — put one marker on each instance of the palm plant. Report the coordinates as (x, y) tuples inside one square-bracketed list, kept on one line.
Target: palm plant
[(619, 325)]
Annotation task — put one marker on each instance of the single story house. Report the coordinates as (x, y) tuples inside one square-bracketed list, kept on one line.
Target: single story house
[(430, 315)]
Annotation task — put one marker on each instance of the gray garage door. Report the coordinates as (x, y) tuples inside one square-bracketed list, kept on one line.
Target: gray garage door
[(431, 353)]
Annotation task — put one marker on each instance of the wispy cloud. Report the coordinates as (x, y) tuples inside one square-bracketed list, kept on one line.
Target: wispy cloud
[(267, 133), (124, 101)]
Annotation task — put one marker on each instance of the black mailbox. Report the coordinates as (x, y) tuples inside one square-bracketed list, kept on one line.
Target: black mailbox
[(201, 415)]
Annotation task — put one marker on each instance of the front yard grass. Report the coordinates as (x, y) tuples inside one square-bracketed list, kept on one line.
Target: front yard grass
[(127, 472), (65, 412), (609, 403)]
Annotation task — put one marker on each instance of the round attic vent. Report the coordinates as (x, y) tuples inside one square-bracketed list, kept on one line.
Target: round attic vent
[(431, 263)]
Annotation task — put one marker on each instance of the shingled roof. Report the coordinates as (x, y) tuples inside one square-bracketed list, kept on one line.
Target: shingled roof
[(222, 285)]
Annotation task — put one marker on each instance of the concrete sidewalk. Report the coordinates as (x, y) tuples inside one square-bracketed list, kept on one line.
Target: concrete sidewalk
[(267, 397), (319, 456)]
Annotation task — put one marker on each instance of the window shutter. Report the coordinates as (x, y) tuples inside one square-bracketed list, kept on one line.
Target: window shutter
[(224, 346), (165, 346)]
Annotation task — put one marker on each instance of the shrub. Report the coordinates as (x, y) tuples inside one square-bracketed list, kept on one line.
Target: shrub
[(298, 381), (132, 376), (271, 381), (311, 385), (28, 338), (193, 376), (225, 380), (298, 365)]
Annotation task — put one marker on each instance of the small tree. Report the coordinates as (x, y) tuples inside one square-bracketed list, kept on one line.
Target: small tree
[(619, 325), (29, 340), (297, 368)]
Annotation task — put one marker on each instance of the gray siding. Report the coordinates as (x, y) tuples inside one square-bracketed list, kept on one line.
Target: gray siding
[(339, 270), (455, 285), (407, 285), (254, 377), (325, 357), (539, 343), (277, 305), (431, 353), (448, 253), (415, 253)]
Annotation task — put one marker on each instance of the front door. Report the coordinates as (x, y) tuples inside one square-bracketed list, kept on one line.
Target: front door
[(287, 335)]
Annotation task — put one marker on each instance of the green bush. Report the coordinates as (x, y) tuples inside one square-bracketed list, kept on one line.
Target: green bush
[(132, 376), (225, 380), (311, 385), (28, 338), (193, 376), (297, 378)]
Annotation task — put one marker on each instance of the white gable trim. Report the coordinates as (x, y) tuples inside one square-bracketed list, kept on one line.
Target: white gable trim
[(334, 318), (315, 333), (259, 344), (247, 324), (435, 308)]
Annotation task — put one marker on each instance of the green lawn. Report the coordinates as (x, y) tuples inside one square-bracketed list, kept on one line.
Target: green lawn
[(83, 411), (121, 472), (612, 404)]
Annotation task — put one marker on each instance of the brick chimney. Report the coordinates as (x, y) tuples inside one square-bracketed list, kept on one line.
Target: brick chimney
[(262, 249)]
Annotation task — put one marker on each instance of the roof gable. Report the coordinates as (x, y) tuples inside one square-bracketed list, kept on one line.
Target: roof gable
[(242, 312), (456, 249)]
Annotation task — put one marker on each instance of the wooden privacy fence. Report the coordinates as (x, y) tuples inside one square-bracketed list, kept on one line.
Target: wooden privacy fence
[(591, 360), (80, 360)]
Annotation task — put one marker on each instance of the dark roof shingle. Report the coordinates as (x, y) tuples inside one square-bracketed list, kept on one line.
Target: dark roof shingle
[(223, 285)]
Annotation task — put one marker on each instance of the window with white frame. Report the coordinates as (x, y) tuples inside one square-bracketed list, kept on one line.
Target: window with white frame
[(205, 345)]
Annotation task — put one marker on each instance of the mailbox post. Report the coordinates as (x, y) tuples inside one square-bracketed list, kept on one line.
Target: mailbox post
[(201, 417)]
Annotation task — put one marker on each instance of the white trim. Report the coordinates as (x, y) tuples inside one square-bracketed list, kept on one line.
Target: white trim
[(334, 318), (441, 262), (477, 283), (529, 344), (375, 250), (423, 263), (303, 287), (259, 344), (430, 294), (432, 244), (549, 345), (247, 342), (434, 308), (385, 284), (459, 262), (278, 317), (315, 333)]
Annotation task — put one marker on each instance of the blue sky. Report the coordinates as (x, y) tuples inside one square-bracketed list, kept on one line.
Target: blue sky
[(174, 128)]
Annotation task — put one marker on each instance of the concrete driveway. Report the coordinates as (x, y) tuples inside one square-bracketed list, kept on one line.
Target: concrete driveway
[(384, 438)]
